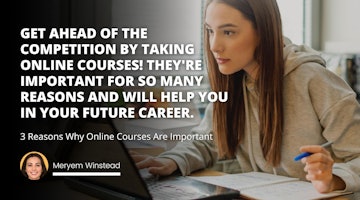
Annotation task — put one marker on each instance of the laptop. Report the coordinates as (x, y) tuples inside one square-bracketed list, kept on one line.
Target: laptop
[(134, 183)]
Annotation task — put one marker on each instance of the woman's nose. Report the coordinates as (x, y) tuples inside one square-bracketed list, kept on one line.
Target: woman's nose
[(216, 45)]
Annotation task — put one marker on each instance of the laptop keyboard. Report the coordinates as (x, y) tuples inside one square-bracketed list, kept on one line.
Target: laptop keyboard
[(166, 190)]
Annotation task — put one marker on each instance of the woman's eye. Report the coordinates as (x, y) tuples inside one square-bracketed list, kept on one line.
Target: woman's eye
[(228, 32)]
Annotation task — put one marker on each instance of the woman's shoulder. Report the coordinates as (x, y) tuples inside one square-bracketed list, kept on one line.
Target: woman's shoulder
[(302, 56)]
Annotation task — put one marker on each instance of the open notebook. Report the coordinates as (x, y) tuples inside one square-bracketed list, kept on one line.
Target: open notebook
[(258, 185), (134, 184)]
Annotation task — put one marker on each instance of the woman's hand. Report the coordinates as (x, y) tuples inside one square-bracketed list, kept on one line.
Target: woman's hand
[(319, 169), (156, 166)]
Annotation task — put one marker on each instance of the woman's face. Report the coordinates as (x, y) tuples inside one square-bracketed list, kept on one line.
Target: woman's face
[(33, 168), (232, 39)]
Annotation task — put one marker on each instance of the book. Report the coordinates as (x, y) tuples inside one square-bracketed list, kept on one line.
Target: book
[(259, 185)]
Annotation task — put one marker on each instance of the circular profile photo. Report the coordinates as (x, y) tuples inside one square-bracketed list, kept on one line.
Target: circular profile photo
[(34, 165)]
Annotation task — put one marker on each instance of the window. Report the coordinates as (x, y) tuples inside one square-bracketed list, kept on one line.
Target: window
[(301, 21), (292, 19)]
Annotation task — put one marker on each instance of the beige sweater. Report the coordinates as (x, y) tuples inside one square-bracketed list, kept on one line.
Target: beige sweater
[(319, 107)]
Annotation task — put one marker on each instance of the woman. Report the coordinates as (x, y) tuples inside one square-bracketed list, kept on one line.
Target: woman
[(282, 101), (33, 167)]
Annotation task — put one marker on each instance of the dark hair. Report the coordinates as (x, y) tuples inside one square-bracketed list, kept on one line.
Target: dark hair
[(229, 118), (23, 167)]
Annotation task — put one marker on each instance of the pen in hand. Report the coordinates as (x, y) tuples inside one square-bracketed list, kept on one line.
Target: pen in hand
[(306, 154)]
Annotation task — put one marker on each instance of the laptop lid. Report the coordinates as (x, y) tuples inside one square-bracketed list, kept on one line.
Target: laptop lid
[(119, 177)]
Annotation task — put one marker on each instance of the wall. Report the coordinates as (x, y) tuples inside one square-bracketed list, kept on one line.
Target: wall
[(340, 29)]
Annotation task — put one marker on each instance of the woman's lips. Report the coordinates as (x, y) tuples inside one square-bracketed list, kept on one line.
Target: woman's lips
[(222, 60)]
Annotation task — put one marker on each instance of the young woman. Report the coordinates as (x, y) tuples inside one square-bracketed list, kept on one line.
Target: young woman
[(282, 101), (33, 166)]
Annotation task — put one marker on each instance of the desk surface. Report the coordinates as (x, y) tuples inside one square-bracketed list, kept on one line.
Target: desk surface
[(57, 190), (210, 172)]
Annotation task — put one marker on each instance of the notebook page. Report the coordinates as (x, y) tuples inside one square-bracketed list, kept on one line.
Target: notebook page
[(244, 180), (295, 190)]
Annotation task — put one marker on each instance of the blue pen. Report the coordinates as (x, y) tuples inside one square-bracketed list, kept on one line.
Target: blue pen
[(306, 154)]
